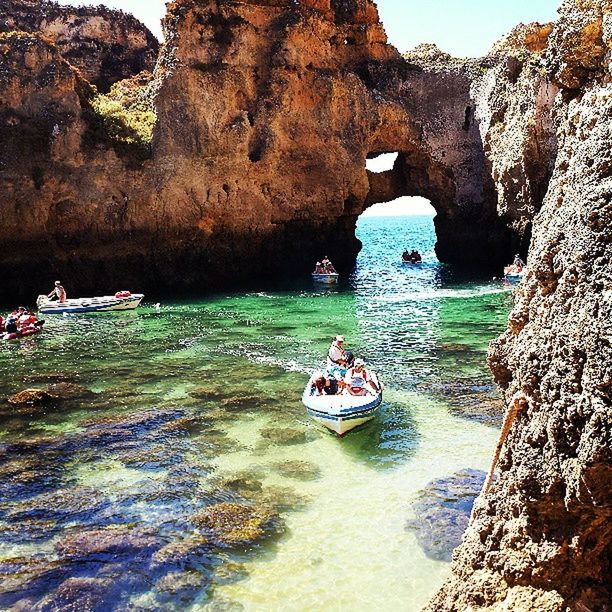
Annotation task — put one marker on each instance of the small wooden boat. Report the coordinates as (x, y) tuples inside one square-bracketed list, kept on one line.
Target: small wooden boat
[(513, 275), (123, 300), (326, 279), (341, 413)]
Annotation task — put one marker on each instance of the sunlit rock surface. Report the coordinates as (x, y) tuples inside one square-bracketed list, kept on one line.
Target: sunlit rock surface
[(105, 45), (244, 155), (541, 539)]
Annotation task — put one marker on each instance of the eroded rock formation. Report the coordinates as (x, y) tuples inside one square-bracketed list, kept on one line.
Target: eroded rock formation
[(541, 539), (106, 46), (264, 116)]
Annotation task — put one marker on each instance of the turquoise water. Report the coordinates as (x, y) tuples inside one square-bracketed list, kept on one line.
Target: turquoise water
[(196, 404)]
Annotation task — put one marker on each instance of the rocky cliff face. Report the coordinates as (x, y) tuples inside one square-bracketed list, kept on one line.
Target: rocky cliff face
[(106, 46), (245, 154), (541, 538)]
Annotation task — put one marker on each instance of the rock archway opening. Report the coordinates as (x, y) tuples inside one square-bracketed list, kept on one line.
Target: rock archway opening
[(387, 229)]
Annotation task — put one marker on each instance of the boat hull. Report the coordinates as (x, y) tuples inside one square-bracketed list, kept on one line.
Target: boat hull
[(511, 276), (326, 279), (341, 413), (106, 303)]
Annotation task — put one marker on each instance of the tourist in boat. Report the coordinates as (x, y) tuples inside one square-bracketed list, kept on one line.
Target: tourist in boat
[(518, 263), (328, 266), (336, 355), (11, 323), (357, 387), (337, 360), (59, 292), (326, 385), (406, 255), (359, 371), (319, 269)]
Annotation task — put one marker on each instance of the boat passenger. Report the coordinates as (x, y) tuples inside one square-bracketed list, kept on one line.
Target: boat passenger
[(325, 385), (328, 266), (518, 263), (319, 268), (359, 371), (11, 323), (59, 292), (336, 355), (357, 387)]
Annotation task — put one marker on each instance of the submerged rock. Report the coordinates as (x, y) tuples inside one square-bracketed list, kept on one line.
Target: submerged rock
[(105, 544), (284, 436), (236, 525), (29, 397), (298, 470), (182, 585), (67, 390), (181, 552), (477, 400), (81, 594), (70, 503), (443, 511)]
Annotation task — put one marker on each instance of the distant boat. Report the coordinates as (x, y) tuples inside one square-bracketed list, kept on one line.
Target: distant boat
[(341, 413), (512, 274), (326, 279), (409, 258), (123, 300)]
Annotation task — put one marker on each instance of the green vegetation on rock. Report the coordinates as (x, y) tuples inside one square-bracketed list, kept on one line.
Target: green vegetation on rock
[(125, 116)]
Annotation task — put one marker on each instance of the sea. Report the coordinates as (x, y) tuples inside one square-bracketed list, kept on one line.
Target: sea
[(120, 496)]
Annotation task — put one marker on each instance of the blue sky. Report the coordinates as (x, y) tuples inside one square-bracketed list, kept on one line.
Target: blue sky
[(464, 28)]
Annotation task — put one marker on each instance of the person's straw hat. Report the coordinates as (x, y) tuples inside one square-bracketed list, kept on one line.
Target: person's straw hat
[(339, 338)]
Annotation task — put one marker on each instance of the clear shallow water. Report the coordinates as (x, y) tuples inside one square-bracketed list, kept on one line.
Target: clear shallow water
[(198, 403)]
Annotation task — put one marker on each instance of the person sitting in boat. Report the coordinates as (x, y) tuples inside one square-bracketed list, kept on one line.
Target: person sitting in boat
[(359, 371), (325, 385), (518, 263), (406, 255), (357, 387), (336, 359), (328, 266), (59, 292), (29, 321), (319, 269), (11, 323), (416, 257)]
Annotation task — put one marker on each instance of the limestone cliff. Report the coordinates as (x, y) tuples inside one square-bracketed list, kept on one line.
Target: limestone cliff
[(105, 45), (541, 538), (245, 155)]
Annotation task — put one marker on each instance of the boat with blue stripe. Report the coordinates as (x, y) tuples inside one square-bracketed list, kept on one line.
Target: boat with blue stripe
[(341, 413), (121, 301)]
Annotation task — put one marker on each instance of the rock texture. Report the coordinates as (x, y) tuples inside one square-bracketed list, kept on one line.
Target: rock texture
[(106, 46), (245, 154), (541, 538)]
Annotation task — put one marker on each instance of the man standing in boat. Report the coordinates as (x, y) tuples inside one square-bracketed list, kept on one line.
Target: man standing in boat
[(336, 356), (59, 292)]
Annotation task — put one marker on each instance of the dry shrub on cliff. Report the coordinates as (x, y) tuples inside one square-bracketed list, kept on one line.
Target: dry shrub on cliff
[(125, 116)]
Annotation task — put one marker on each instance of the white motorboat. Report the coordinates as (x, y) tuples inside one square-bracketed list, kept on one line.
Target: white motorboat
[(513, 274), (341, 413), (326, 279), (123, 300)]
